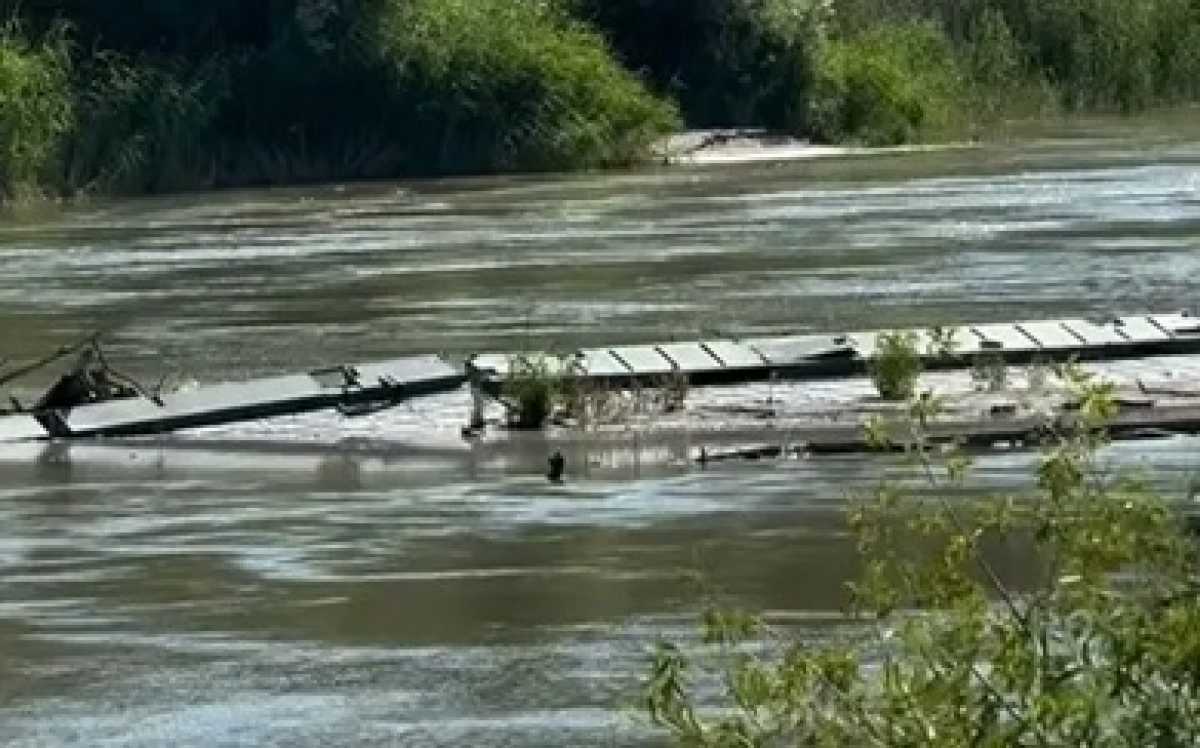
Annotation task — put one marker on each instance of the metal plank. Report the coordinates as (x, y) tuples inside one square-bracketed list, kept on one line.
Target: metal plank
[(239, 401), (794, 350), (863, 342), (1052, 335), (690, 357), (1007, 336), (1093, 334), (644, 359), (20, 428), (492, 361), (866, 343), (412, 369), (1180, 324), (500, 363), (1140, 330), (735, 355), (185, 405), (599, 362), (966, 343)]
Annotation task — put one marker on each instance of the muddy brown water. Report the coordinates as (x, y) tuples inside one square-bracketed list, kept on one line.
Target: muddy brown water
[(309, 581)]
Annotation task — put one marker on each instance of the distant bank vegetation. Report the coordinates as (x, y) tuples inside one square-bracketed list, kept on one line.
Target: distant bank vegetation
[(194, 94)]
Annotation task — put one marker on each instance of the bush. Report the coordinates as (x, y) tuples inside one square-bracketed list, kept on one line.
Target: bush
[(269, 131), (306, 90), (187, 94), (1177, 43), (886, 86), (530, 390), (989, 372), (144, 127), (35, 108), (895, 365), (1099, 53), (1109, 54), (191, 29), (994, 58), (1016, 57), (728, 62), (1103, 650), (514, 84)]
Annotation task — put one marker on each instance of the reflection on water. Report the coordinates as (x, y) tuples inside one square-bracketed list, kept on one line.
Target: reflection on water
[(309, 582)]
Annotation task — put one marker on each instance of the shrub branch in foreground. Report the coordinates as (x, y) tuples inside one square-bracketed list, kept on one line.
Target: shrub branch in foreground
[(1103, 649)]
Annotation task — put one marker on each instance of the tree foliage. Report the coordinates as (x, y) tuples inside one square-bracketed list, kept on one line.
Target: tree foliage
[(515, 84), (1104, 649), (895, 365), (35, 107), (1108, 54), (193, 95), (172, 94), (728, 62), (530, 389)]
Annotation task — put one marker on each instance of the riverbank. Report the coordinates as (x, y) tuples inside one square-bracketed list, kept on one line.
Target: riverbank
[(198, 98), (749, 145)]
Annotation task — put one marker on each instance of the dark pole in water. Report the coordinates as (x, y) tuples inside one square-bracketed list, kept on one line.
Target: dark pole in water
[(557, 467)]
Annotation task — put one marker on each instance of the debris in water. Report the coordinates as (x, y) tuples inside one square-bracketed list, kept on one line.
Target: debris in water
[(557, 467)]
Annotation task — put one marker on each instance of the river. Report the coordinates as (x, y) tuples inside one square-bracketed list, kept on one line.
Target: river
[(313, 582)]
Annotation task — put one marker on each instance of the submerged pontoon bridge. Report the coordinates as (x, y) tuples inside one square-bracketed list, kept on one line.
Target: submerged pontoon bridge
[(350, 389), (727, 361), (354, 390)]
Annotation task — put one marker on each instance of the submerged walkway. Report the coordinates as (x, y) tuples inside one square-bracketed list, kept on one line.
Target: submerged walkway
[(355, 390), (815, 356)]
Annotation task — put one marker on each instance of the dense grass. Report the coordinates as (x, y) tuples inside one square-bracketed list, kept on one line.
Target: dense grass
[(35, 109), (888, 71), (187, 94), (887, 85), (1018, 56), (727, 62), (514, 85), (141, 127), (327, 90)]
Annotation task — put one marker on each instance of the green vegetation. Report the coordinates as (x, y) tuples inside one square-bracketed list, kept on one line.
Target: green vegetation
[(727, 62), (1104, 650), (190, 95), (887, 85), (185, 94), (989, 372), (35, 108), (999, 58), (141, 128), (531, 390), (539, 388), (896, 365), (512, 84)]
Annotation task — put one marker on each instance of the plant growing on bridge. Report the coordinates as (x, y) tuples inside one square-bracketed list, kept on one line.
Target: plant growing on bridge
[(989, 372), (1103, 649), (529, 391), (896, 365)]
